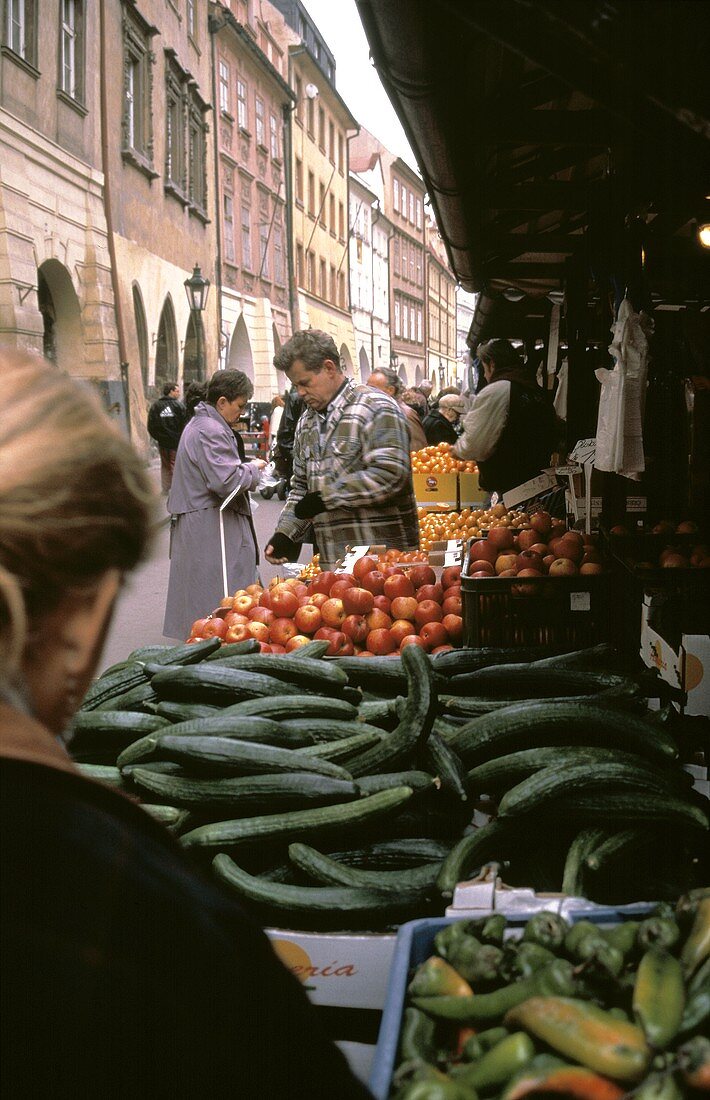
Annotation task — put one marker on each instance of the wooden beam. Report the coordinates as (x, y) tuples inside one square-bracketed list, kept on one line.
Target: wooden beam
[(548, 195), (515, 244), (548, 127), (522, 271)]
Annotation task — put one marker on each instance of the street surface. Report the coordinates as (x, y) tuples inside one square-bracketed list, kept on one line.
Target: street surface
[(138, 618)]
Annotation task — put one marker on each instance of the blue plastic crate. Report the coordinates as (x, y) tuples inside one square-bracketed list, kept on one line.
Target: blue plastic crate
[(415, 942)]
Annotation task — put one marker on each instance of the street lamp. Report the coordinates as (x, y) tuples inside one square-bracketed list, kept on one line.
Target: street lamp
[(197, 288)]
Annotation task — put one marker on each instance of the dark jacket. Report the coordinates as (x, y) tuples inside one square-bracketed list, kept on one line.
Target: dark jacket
[(293, 407), (438, 429), (126, 972), (526, 442), (166, 420)]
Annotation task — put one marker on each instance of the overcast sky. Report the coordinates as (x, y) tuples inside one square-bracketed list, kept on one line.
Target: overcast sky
[(355, 77)]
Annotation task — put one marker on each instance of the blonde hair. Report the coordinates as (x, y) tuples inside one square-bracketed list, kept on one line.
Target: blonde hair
[(75, 499)]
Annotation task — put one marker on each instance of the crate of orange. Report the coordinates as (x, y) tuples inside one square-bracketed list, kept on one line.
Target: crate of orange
[(442, 480)]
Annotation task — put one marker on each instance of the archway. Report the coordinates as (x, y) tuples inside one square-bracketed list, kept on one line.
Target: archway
[(141, 333), (346, 359), (364, 364), (166, 348), (62, 339), (193, 366), (403, 374), (240, 353), (417, 375), (277, 339)]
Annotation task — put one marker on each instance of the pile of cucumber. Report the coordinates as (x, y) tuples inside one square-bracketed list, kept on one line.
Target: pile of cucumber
[(340, 794), (596, 1013)]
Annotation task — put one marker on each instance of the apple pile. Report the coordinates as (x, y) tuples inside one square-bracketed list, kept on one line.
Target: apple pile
[(689, 556), (546, 548), (376, 610)]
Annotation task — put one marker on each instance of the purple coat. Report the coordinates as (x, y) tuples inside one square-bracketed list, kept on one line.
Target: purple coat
[(207, 469)]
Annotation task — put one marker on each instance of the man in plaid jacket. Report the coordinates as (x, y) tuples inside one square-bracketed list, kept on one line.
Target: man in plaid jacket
[(352, 475)]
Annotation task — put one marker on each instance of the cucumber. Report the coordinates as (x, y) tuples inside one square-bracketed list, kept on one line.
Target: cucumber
[(211, 683), (456, 662), (264, 730), (418, 781), (189, 654), (160, 767), (303, 672), (136, 698), (184, 712), (381, 712), (326, 729), (461, 706), (470, 852), (385, 855), (234, 649), (416, 722), (314, 649), (166, 815), (227, 755), (111, 730), (250, 794), (294, 706), (102, 773), (296, 824), (346, 747), (573, 875), (538, 724), (383, 676), (115, 684), (337, 906), (616, 845), (525, 681), (596, 656), (633, 806), (148, 652), (322, 868), (546, 786), (441, 760)]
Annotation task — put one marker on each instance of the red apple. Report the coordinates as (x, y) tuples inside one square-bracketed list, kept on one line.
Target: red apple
[(548, 560), (278, 648), (284, 602), (453, 625), (501, 538), (507, 573), (588, 568), (296, 642), (401, 629), (197, 628), (413, 639), (430, 592), (244, 604), (214, 628), (260, 631), (323, 582), (364, 653), (335, 638), (355, 628), (671, 561), (233, 618), (363, 566), (483, 550), (378, 620), (374, 582), (264, 647), (380, 642), (340, 587), (506, 561), (260, 614), (392, 570), (528, 559), (542, 523), (308, 619), (382, 603), (452, 605), (237, 633), (282, 630), (591, 555), (422, 574), (441, 649), (570, 548), (687, 527), (540, 548), (265, 599), (358, 601), (563, 567), (398, 585), (527, 539), (619, 529), (333, 612), (404, 607), (318, 598), (428, 611), (434, 634), (450, 575), (454, 590), (529, 572), (481, 566), (254, 590)]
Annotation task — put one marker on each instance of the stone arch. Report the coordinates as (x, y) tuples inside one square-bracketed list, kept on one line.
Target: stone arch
[(417, 375), (346, 359), (403, 374), (193, 358), (166, 348), (141, 334), (364, 363), (277, 339), (63, 337), (240, 353)]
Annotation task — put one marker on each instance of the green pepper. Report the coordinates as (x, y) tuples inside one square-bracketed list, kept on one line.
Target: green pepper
[(546, 929), (696, 948), (437, 1089), (477, 963), (623, 936), (488, 929), (576, 933), (605, 958), (658, 1086), (447, 937), (535, 1070), (697, 1004), (687, 906), (694, 1062), (436, 977), (524, 959), (664, 911), (417, 1037), (490, 1038), (657, 931), (499, 1064), (555, 979), (472, 1049)]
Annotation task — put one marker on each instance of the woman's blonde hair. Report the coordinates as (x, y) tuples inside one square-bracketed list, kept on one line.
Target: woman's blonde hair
[(75, 499)]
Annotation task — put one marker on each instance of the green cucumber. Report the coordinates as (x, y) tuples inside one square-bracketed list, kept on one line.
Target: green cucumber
[(249, 794), (585, 842), (113, 685), (552, 783), (525, 681), (633, 805), (136, 698), (441, 760), (382, 676), (184, 712), (456, 662), (418, 781), (596, 656), (171, 816), (189, 653), (381, 712), (111, 730), (322, 868), (618, 844), (345, 747), (297, 824), (326, 729), (234, 649), (103, 773), (294, 706), (212, 683), (228, 755), (302, 672), (465, 707), (315, 649), (470, 852), (222, 724), (384, 855)]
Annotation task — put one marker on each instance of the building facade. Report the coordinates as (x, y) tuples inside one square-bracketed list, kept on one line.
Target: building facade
[(369, 266), (440, 313), (465, 308), (253, 105)]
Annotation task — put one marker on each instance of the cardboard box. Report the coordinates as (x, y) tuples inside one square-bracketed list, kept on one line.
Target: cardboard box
[(440, 489), (471, 495), (687, 668), (529, 489), (345, 970)]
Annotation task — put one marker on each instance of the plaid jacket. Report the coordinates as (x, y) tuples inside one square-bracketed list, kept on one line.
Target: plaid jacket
[(358, 460)]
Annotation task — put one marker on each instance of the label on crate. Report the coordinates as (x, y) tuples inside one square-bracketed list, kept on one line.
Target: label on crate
[(636, 504), (580, 601)]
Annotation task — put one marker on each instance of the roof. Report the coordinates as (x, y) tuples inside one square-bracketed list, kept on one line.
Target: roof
[(564, 132), (221, 17)]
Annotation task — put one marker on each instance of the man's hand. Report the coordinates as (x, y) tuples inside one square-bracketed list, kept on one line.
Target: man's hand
[(258, 462), (281, 548), (312, 504)]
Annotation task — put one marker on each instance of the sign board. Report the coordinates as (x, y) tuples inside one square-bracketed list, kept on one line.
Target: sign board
[(529, 489)]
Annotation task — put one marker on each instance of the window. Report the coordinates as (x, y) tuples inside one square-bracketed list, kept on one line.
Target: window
[(311, 273), (274, 135), (321, 206), (71, 48), (224, 82), (405, 319), (412, 275), (311, 194), (341, 154), (341, 221), (190, 13), (395, 199), (331, 142), (197, 151), (411, 207), (419, 267), (321, 128), (395, 254), (412, 323), (279, 270), (420, 337), (242, 107), (333, 284), (228, 205), (259, 114), (264, 250), (310, 117), (246, 237), (419, 213), (341, 289), (404, 202), (332, 214), (358, 248), (137, 120), (174, 130), (397, 318), (20, 22), (323, 280), (299, 181), (298, 91), (405, 264), (300, 273)]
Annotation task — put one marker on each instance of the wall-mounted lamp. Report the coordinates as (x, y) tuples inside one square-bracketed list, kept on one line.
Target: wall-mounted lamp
[(312, 91), (704, 235)]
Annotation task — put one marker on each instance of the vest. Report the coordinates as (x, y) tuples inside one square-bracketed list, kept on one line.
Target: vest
[(526, 443)]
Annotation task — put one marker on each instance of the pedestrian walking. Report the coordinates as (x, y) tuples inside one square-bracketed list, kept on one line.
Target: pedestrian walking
[(440, 424), (166, 420), (208, 469), (352, 474), (125, 971), (389, 382)]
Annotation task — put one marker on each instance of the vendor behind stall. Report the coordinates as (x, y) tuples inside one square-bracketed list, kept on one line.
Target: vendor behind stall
[(511, 429)]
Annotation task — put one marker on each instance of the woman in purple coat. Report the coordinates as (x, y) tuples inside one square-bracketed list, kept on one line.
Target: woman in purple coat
[(207, 469)]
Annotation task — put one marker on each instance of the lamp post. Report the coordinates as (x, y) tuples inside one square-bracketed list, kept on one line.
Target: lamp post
[(197, 288)]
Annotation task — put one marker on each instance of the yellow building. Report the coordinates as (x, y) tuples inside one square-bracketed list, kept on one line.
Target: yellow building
[(321, 126)]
